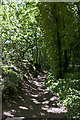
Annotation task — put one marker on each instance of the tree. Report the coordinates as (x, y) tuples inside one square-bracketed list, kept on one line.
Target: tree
[(18, 30), (59, 28)]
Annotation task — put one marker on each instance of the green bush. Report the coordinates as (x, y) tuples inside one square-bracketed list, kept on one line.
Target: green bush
[(69, 92), (11, 82)]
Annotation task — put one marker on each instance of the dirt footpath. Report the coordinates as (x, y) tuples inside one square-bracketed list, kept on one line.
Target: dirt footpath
[(34, 101)]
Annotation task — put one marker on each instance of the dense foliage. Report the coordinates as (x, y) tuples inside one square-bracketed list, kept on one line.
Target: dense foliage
[(43, 35), (62, 39), (69, 91), (61, 33)]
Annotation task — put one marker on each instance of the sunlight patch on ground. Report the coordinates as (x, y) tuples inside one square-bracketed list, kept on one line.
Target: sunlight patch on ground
[(54, 98), (24, 108), (45, 102), (31, 107), (21, 98), (41, 89), (34, 95), (8, 113), (43, 78), (41, 113), (15, 118), (34, 116), (35, 101), (39, 83), (14, 102), (47, 89), (56, 110), (53, 110), (46, 92), (44, 98), (13, 111), (45, 107)]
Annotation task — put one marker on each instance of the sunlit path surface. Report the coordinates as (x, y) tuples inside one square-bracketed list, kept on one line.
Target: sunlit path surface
[(34, 101)]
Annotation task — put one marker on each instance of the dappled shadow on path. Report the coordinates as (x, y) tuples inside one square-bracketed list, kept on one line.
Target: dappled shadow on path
[(34, 101)]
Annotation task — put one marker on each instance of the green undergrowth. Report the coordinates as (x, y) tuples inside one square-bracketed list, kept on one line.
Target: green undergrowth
[(11, 83), (13, 76), (69, 91)]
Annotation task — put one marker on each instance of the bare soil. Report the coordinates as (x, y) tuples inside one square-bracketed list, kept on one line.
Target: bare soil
[(34, 101)]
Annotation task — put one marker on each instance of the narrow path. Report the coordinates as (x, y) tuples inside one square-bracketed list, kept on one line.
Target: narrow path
[(34, 101)]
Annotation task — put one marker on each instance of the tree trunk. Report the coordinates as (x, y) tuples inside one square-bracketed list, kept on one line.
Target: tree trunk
[(78, 46), (65, 61), (36, 47), (59, 51)]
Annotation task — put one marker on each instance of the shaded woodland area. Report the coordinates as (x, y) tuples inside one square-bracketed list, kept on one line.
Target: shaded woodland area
[(41, 39)]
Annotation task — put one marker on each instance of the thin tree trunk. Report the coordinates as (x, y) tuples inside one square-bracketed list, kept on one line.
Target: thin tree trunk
[(36, 47), (59, 51), (78, 6)]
